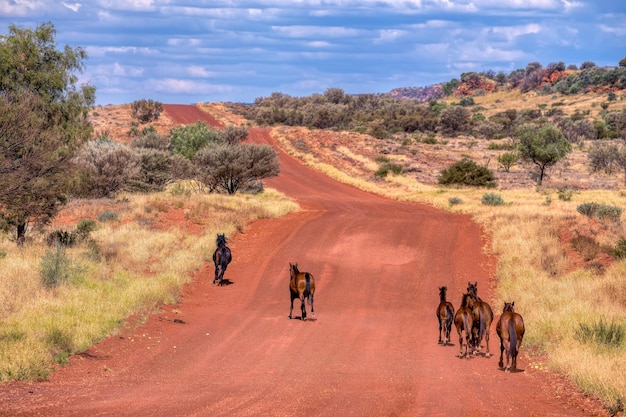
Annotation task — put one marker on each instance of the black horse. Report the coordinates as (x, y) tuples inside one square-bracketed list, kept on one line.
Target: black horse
[(221, 258)]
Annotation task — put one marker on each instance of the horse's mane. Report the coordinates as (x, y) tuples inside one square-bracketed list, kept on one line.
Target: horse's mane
[(442, 293)]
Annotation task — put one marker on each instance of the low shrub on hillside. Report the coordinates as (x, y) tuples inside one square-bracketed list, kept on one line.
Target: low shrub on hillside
[(467, 172)]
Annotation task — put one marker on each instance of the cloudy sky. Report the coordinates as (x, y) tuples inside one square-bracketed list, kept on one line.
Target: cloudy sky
[(189, 51)]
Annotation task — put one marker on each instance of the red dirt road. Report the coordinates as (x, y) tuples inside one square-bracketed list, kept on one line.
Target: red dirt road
[(371, 350)]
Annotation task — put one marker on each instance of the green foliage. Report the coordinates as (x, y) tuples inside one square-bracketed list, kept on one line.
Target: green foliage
[(187, 140), (602, 212), (151, 140), (230, 168), (544, 145), (565, 194), (55, 268), (389, 167), (106, 216), (43, 111), (602, 333), (146, 110), (492, 199), (453, 201), (467, 172), (507, 160), (106, 167)]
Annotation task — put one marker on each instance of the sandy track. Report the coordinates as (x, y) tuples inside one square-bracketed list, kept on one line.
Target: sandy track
[(370, 351)]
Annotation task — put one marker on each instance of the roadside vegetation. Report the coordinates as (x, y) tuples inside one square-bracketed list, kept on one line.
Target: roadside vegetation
[(562, 264), (65, 288), (561, 249), (560, 245)]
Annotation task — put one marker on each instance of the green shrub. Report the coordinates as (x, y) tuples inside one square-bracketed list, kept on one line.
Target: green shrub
[(492, 199), (467, 172), (565, 194), (106, 216), (387, 168), (455, 200), (602, 333), (600, 211), (86, 226), (61, 237), (146, 110), (55, 268)]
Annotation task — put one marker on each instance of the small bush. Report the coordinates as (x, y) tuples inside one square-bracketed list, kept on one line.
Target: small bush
[(61, 237), (564, 194), (586, 246), (600, 211), (387, 168), (602, 333), (107, 216), (85, 227), (492, 199), (467, 172), (146, 110), (619, 252), (455, 200), (55, 268)]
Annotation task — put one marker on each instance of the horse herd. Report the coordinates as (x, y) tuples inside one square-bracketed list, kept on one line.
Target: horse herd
[(473, 320), (301, 284)]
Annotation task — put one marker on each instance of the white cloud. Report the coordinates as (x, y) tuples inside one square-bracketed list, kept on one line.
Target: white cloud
[(184, 42), (199, 72), (75, 7), (389, 35), (512, 32), (104, 50), (319, 44), (129, 5), (614, 30), (178, 86), (316, 31), (21, 8)]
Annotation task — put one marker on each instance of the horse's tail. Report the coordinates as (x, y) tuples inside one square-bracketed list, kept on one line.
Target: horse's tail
[(449, 314), (224, 257), (512, 338), (482, 324), (307, 280), (466, 322)]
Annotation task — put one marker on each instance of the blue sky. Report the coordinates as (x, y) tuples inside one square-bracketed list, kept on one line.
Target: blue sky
[(186, 51)]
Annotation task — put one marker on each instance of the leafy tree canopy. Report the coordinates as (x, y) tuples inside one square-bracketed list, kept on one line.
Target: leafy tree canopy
[(43, 120)]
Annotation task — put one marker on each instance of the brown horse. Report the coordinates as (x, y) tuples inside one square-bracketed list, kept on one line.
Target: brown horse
[(464, 321), (511, 330), (445, 315), (221, 258), (483, 317), (302, 286)]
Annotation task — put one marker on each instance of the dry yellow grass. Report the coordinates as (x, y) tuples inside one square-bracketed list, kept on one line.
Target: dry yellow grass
[(534, 269), (132, 266)]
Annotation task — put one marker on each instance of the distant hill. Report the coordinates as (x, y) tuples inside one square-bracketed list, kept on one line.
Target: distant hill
[(420, 94)]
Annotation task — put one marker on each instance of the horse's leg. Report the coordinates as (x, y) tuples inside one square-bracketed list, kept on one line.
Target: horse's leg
[(291, 309), (217, 271), (302, 305), (440, 327), (312, 308)]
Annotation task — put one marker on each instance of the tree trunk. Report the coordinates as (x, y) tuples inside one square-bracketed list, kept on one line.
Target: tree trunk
[(21, 233)]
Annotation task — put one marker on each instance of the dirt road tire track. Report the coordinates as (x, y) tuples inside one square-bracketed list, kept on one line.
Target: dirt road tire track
[(370, 351)]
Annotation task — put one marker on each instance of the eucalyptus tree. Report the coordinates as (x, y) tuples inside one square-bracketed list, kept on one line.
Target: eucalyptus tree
[(43, 121)]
